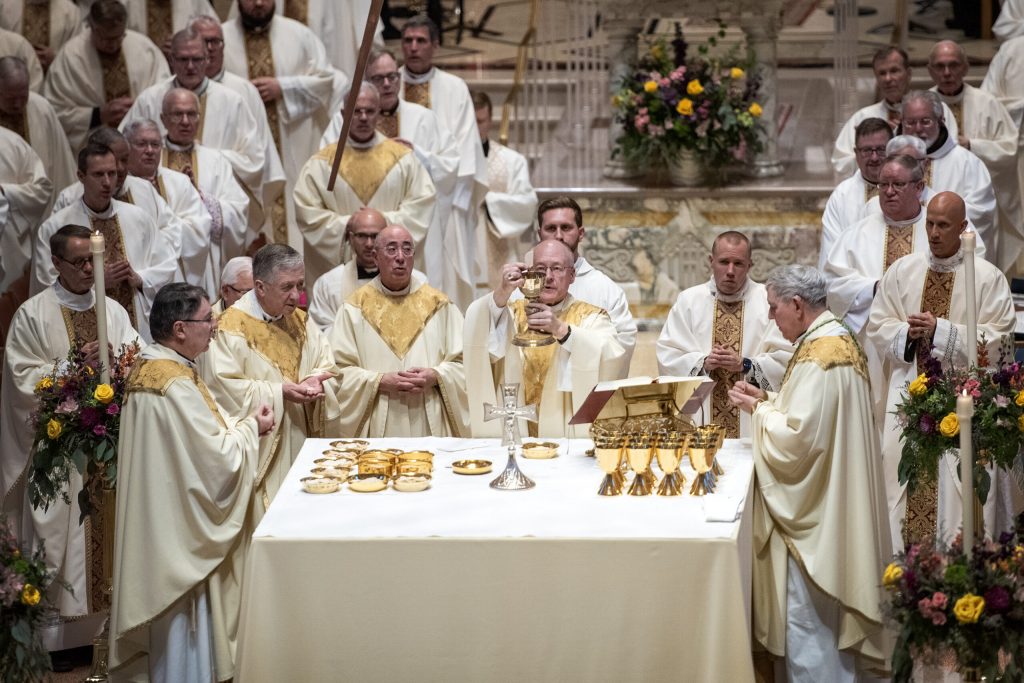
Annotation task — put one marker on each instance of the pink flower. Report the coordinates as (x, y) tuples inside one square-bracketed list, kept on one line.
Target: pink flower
[(113, 409), (99, 430), (664, 82), (972, 387), (939, 618), (940, 600), (678, 74), (1001, 401), (642, 111), (67, 406)]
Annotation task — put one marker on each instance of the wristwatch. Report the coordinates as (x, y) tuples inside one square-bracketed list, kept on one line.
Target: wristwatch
[(747, 365)]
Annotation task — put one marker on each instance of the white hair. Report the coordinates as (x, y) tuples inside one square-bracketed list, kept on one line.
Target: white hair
[(806, 282), (902, 141), (924, 96), (235, 268), (364, 87), (138, 125)]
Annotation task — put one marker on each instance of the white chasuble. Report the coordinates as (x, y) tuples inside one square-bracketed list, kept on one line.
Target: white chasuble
[(333, 288), (507, 211), (557, 378), (15, 45), (28, 192), (379, 331), (819, 495), (48, 23), (179, 454), (955, 169), (702, 317), (40, 128), (159, 20), (185, 203), (846, 206), (79, 80), (910, 286), (385, 176)]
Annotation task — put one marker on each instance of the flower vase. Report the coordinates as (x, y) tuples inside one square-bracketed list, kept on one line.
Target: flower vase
[(685, 169)]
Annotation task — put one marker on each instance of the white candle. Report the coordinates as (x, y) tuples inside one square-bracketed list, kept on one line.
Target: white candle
[(967, 241), (97, 247), (964, 413)]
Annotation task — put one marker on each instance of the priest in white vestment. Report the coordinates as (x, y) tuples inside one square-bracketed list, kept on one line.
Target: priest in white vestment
[(29, 115), (235, 282), (45, 24), (44, 329), (288, 65), (181, 454), (137, 260), (919, 313), (96, 76), (1010, 22), (375, 172), (14, 45), (507, 210), (159, 20), (334, 287), (558, 377), (27, 189), (722, 329), (848, 203), (448, 97), (397, 343), (820, 542)]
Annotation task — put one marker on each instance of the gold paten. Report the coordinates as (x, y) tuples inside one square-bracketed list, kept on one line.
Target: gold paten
[(412, 483), (320, 485), (351, 444), (471, 466), (540, 451), (330, 473), (368, 483)]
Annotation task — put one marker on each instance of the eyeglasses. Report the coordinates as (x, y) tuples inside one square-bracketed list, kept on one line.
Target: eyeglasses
[(364, 236), (365, 113), (555, 270), (207, 320), (179, 116), (393, 249), (381, 79), (869, 151), (236, 290), (190, 60), (918, 122), (895, 187), (77, 264), (214, 42), (146, 144)]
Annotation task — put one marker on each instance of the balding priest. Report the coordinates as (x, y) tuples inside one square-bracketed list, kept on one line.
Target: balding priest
[(557, 377), (398, 345)]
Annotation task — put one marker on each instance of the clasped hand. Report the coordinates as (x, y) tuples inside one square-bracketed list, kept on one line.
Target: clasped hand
[(723, 357), (306, 391), (922, 325), (409, 381)]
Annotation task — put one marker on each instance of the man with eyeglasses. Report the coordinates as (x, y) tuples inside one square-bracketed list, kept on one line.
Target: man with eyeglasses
[(920, 314), (98, 73), (138, 260), (235, 282), (45, 328), (848, 202), (397, 342), (558, 377), (375, 172)]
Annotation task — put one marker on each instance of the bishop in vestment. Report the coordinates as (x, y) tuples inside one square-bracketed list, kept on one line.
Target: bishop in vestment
[(180, 454), (557, 378), (820, 544), (26, 188), (920, 313), (722, 329), (44, 329)]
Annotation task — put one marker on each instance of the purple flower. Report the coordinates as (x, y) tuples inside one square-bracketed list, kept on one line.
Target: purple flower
[(99, 430), (113, 409), (997, 599), (89, 417), (926, 424)]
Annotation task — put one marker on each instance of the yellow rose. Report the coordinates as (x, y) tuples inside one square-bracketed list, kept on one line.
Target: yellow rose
[(694, 87), (650, 86), (755, 110), (950, 426), (46, 383), (918, 386), (104, 394), (736, 72), (616, 101), (1019, 399), (30, 595), (968, 609), (53, 429), (685, 107), (892, 576)]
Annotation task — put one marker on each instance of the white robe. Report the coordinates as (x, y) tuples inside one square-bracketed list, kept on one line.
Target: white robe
[(1010, 22), (14, 45), (507, 212), (844, 161), (184, 202), (365, 348), (49, 141), (845, 207), (181, 12), (332, 289), (451, 102), (1004, 77), (899, 294), (65, 20), (143, 247), (385, 176), (24, 183), (74, 83), (307, 93), (689, 332)]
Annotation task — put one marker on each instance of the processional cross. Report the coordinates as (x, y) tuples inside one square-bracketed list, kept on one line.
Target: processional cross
[(512, 478)]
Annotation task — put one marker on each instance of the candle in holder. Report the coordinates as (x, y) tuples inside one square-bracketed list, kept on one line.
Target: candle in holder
[(97, 247), (964, 413), (968, 239)]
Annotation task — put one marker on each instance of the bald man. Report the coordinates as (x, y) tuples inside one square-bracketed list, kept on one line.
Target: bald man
[(398, 344), (920, 313)]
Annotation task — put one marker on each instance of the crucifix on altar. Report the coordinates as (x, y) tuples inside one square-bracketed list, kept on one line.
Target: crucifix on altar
[(512, 478)]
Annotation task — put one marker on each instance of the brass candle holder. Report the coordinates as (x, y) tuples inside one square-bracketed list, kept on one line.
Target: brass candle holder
[(533, 285)]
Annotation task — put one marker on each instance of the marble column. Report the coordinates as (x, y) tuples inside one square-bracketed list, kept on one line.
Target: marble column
[(622, 30), (762, 32)]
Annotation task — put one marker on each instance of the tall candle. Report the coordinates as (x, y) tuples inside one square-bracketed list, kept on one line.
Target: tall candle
[(967, 241), (97, 247), (964, 413)]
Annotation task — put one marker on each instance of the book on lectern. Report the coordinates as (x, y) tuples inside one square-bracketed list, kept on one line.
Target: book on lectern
[(636, 396)]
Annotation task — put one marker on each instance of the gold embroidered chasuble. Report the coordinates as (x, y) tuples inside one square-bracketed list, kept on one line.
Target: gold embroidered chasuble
[(35, 22), (537, 361), (364, 170), (417, 93), (728, 332), (115, 76), (182, 162), (155, 376), (16, 123), (398, 320), (899, 241), (870, 190), (159, 21), (113, 240), (389, 124)]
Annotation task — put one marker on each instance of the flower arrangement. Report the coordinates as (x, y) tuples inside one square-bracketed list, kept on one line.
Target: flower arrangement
[(705, 104), (927, 415), (23, 584), (973, 609), (77, 421)]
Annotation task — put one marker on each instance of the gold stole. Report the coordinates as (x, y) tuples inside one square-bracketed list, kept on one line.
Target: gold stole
[(537, 361), (113, 238), (365, 169), (388, 124), (297, 10), (728, 332), (115, 76), (279, 342), (927, 172), (870, 190), (155, 376), (833, 351), (202, 118), (80, 325), (35, 22), (417, 93), (182, 162), (898, 243), (159, 21), (893, 117), (17, 124), (958, 113), (398, 320)]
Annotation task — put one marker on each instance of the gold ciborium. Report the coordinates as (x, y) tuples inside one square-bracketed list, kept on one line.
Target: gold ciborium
[(533, 285), (702, 454), (669, 452), (609, 459), (716, 435), (638, 453)]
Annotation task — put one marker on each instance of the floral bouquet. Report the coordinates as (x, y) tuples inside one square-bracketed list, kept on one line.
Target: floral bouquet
[(930, 426), (946, 606), (76, 423), (23, 583), (704, 104)]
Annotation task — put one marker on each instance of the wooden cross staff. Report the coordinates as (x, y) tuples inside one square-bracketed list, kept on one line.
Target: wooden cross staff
[(357, 82)]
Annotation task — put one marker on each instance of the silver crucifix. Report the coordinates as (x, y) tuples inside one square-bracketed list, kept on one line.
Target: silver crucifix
[(512, 478)]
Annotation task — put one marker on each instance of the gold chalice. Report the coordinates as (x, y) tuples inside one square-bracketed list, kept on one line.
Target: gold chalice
[(639, 457), (669, 453), (533, 285), (608, 459), (701, 456)]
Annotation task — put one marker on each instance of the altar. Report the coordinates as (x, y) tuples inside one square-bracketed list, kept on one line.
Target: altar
[(465, 583)]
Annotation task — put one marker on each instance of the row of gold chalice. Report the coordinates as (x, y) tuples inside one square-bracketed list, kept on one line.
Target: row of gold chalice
[(617, 453)]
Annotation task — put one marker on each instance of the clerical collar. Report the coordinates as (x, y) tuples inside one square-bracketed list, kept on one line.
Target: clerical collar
[(945, 265), (487, 147), (264, 316), (175, 147), (76, 302), (582, 266), (392, 292), (106, 213), (365, 273), (372, 142), (198, 90), (220, 76), (185, 359), (392, 111), (728, 298), (902, 224), (942, 145), (955, 98), (417, 78), (894, 108)]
